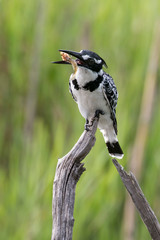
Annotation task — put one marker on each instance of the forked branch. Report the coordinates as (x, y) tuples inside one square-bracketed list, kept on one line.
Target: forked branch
[(68, 171)]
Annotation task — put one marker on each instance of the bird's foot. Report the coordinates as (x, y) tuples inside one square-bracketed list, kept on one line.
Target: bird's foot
[(87, 127), (97, 113), (88, 124)]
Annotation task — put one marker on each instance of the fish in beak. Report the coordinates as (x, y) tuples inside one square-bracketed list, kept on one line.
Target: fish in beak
[(66, 59)]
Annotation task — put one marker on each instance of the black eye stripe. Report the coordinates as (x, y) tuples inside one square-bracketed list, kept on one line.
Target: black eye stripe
[(91, 61)]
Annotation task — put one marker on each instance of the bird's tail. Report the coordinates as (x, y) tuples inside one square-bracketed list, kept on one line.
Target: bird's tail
[(112, 143), (114, 149)]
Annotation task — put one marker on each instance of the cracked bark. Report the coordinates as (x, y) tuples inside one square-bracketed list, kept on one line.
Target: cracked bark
[(146, 213), (68, 171)]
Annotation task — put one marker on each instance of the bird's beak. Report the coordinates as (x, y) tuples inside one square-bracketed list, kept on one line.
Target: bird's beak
[(61, 62), (72, 53), (77, 55)]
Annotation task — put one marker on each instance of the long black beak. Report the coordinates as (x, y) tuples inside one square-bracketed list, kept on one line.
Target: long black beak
[(72, 53), (61, 62)]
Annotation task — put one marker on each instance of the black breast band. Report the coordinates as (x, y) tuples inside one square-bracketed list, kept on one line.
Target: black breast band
[(93, 85)]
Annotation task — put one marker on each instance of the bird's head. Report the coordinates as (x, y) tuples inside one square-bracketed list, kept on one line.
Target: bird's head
[(86, 59)]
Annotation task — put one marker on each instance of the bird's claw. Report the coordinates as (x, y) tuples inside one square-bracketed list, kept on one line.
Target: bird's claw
[(96, 115), (88, 126)]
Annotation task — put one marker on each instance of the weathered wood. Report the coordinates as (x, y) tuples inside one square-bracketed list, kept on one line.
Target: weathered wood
[(140, 201), (68, 172), (135, 164)]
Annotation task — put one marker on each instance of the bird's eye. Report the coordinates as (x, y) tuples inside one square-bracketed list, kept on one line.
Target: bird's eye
[(91, 61)]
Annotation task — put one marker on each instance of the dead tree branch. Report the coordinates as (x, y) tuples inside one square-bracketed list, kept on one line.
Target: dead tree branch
[(136, 163), (140, 201), (68, 172)]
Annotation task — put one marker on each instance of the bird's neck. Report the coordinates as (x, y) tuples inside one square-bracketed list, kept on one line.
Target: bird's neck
[(84, 75)]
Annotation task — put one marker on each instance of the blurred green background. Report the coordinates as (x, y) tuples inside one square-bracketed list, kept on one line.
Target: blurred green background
[(39, 121)]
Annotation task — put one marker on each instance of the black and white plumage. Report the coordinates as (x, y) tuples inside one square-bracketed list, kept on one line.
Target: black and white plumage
[(93, 89)]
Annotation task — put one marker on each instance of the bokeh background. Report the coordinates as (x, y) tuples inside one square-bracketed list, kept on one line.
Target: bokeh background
[(40, 122)]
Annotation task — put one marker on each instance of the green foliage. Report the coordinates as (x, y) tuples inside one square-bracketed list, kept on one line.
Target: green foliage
[(40, 122)]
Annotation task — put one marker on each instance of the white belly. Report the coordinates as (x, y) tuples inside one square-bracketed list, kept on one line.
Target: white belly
[(89, 102)]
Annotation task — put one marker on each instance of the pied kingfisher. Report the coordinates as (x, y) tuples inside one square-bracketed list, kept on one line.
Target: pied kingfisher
[(94, 90)]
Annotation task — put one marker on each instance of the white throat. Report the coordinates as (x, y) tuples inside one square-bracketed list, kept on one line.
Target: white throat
[(84, 75)]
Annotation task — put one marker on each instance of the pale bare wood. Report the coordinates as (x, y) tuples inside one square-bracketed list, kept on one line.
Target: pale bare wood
[(137, 156), (68, 172), (139, 200)]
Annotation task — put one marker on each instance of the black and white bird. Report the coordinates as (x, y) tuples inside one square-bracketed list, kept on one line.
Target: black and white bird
[(94, 90)]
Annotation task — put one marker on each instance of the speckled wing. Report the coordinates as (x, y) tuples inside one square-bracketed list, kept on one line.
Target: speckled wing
[(111, 96)]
